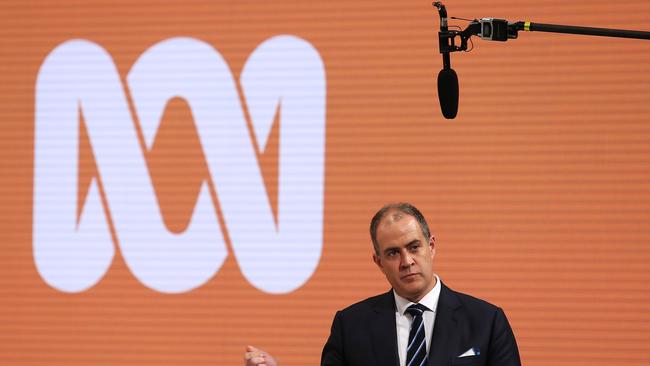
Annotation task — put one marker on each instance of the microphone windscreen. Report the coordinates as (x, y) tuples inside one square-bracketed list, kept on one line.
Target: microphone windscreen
[(448, 92)]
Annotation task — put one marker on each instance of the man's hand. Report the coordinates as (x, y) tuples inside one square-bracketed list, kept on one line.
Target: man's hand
[(257, 357)]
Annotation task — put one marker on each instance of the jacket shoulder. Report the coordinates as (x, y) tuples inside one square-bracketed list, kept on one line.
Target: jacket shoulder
[(475, 309), (473, 302), (384, 301)]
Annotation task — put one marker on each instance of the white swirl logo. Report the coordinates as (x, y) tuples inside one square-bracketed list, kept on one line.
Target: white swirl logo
[(284, 73)]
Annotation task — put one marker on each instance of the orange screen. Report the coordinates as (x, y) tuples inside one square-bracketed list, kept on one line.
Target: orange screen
[(180, 179)]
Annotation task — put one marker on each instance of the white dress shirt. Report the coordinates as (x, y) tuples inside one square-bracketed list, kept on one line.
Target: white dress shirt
[(403, 321)]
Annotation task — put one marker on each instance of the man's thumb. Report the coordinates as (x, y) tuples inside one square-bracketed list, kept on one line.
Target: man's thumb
[(250, 348)]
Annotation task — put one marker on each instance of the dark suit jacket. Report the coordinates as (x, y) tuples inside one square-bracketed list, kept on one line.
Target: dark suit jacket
[(365, 333)]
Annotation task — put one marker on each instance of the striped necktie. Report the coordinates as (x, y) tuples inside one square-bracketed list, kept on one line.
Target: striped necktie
[(416, 352)]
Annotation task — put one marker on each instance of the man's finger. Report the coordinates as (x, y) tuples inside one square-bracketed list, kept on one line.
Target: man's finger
[(251, 355), (256, 361), (250, 348)]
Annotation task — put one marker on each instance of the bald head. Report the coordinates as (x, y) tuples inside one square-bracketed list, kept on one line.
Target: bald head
[(393, 213)]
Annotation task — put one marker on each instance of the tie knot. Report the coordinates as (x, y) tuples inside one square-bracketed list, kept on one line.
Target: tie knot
[(416, 310)]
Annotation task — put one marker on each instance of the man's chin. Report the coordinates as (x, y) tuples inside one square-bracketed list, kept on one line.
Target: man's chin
[(410, 290), (413, 295)]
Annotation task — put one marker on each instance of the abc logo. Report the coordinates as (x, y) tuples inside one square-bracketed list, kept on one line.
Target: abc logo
[(283, 74)]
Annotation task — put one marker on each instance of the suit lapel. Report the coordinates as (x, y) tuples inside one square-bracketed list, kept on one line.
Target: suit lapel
[(383, 333), (445, 328)]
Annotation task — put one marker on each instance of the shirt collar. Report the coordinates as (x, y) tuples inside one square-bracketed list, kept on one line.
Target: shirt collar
[(430, 300)]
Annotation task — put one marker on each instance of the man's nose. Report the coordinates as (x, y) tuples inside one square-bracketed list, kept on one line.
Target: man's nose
[(406, 260)]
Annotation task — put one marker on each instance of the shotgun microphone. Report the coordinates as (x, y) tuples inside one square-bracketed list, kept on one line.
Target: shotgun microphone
[(447, 78), (448, 92)]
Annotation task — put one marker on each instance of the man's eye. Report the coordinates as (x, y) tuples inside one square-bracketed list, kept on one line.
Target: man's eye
[(392, 253), (414, 248)]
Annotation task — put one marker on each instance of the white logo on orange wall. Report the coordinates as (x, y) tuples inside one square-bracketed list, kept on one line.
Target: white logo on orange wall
[(79, 75)]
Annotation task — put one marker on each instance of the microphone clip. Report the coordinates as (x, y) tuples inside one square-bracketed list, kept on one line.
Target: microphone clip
[(447, 38), (486, 28)]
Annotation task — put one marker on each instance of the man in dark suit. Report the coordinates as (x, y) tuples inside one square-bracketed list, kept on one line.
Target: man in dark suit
[(420, 321)]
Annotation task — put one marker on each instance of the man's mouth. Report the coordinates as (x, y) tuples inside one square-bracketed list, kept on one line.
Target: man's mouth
[(410, 276)]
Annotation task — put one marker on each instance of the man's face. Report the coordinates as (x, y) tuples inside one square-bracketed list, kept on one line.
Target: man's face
[(405, 256)]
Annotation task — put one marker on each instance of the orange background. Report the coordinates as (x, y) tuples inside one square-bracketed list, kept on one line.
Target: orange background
[(538, 193)]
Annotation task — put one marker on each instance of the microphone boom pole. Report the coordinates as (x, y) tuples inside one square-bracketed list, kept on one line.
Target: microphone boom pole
[(588, 31), (497, 30)]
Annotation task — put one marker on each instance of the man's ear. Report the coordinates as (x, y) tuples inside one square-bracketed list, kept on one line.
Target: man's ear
[(432, 245), (377, 260)]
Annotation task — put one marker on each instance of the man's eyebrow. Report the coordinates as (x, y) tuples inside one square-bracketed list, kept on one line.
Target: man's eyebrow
[(390, 249), (412, 242)]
